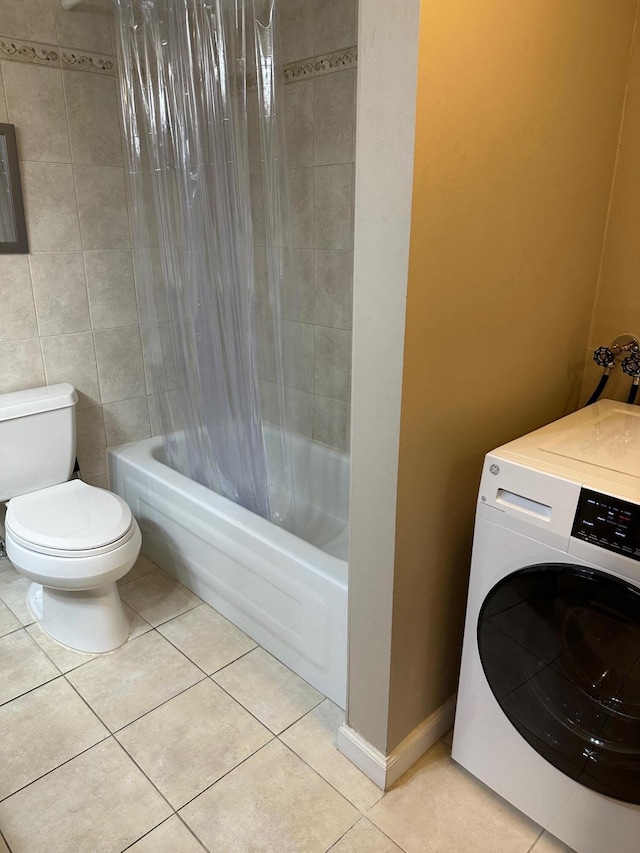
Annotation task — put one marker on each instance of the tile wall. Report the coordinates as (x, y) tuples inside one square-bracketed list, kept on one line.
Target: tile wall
[(69, 309), (319, 52)]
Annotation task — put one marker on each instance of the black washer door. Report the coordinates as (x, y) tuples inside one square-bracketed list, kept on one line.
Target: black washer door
[(560, 647)]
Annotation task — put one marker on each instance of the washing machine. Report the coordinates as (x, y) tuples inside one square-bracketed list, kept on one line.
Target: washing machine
[(548, 712)]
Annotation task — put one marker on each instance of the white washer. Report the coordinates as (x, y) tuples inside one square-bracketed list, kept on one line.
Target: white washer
[(548, 709)]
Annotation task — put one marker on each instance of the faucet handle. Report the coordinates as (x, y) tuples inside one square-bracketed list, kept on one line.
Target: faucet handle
[(604, 357), (631, 365)]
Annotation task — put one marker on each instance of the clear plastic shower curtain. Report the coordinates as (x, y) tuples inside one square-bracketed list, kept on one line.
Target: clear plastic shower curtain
[(201, 103)]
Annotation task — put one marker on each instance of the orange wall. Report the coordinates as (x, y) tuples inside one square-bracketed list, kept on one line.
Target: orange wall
[(519, 109), (617, 309)]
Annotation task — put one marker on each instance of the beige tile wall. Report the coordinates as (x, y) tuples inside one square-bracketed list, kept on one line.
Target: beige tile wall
[(69, 309), (320, 124)]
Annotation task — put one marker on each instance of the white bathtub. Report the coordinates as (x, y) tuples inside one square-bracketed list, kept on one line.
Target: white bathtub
[(289, 595)]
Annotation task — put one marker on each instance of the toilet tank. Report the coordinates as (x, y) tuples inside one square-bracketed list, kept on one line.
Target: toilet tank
[(37, 439)]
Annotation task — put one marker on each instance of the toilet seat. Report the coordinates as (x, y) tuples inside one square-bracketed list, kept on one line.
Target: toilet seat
[(70, 554), (70, 520)]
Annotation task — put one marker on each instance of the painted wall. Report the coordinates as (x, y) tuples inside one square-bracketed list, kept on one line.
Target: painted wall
[(519, 110), (617, 309), (387, 68), (68, 309)]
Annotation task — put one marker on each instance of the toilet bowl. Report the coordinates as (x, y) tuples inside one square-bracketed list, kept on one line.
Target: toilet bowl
[(74, 541)]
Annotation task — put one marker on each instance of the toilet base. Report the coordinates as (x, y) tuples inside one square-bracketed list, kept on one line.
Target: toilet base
[(89, 620)]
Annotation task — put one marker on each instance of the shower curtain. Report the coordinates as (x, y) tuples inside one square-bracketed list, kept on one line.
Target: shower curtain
[(201, 97)]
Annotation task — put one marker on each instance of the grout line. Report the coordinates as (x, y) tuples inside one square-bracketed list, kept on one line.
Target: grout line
[(129, 642), (361, 813), (326, 781), (333, 846), (215, 671), (57, 767), (179, 817), (2, 836), (198, 839), (14, 630), (306, 714), (55, 24), (85, 165), (533, 846), (3, 95), (31, 690), (386, 834), (244, 707), (148, 832), (224, 775), (124, 585), (151, 782)]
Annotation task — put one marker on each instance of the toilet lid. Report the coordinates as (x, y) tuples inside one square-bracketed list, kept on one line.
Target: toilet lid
[(70, 517)]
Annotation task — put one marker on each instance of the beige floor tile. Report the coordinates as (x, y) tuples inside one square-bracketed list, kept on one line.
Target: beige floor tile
[(462, 814), (3, 846), (172, 836), (13, 591), (47, 726), (192, 741), (23, 665), (7, 572), (99, 802), (272, 802), (313, 738), (547, 843), (8, 621), (134, 679), (364, 837), (273, 694), (158, 597), (207, 638), (143, 566), (67, 659)]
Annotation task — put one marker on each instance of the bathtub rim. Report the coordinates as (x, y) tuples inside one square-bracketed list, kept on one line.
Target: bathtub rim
[(140, 455)]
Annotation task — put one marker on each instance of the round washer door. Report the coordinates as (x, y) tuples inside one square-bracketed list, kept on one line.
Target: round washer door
[(560, 648)]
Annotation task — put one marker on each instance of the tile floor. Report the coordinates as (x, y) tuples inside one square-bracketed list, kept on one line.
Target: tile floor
[(192, 738)]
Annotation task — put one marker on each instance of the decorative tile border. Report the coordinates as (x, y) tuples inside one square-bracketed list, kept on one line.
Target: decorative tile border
[(51, 55), (26, 51), (20, 50), (325, 64), (83, 61)]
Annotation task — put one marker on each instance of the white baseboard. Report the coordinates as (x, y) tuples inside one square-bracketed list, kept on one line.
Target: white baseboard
[(361, 753), (385, 770)]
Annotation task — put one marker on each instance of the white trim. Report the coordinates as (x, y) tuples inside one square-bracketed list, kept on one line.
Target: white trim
[(361, 753), (383, 770)]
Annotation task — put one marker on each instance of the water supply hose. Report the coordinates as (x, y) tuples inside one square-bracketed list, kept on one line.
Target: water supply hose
[(600, 386), (604, 357), (631, 366)]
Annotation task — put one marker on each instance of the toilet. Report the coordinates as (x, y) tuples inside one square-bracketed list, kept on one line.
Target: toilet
[(72, 540)]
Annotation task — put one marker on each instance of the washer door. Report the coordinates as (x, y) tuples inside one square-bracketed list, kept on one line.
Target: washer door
[(560, 648)]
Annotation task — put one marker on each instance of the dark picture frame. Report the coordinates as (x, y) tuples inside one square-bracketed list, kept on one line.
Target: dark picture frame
[(13, 229)]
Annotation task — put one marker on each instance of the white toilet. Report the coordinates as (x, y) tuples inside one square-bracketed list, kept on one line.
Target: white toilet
[(74, 541)]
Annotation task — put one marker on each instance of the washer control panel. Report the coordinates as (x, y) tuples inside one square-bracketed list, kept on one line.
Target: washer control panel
[(608, 522)]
